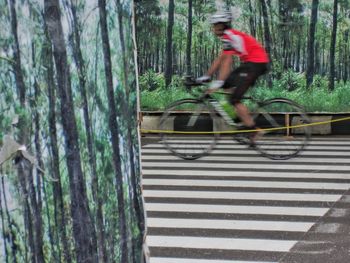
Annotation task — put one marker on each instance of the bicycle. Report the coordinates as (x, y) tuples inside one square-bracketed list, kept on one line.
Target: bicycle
[(190, 128)]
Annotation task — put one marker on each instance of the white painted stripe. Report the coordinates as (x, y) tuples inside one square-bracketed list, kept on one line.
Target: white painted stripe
[(214, 157), (236, 209), (273, 166), (242, 195), (200, 145), (255, 184), (233, 142), (247, 151), (315, 138), (190, 260), (221, 243), (311, 175), (229, 224)]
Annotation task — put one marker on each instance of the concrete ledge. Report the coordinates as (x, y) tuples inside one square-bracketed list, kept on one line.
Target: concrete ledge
[(150, 121)]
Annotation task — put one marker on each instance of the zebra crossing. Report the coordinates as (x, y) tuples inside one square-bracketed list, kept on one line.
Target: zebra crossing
[(236, 206)]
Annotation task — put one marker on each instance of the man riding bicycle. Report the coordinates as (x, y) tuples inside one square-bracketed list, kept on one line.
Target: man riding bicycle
[(254, 62)]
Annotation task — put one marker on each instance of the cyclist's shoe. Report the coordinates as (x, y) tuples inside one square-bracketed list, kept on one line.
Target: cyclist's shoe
[(241, 138), (246, 138), (254, 136)]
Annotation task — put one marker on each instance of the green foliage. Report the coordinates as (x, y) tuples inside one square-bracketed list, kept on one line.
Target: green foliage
[(151, 81), (316, 99), (291, 80), (291, 85), (160, 98), (318, 83), (154, 94)]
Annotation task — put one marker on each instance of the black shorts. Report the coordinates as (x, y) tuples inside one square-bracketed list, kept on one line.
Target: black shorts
[(242, 78)]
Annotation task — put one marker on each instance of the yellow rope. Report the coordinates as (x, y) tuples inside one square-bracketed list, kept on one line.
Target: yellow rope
[(246, 131)]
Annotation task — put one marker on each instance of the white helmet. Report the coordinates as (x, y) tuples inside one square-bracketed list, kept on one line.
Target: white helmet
[(221, 17)]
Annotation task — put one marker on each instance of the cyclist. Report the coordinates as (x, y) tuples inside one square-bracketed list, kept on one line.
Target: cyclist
[(254, 62)]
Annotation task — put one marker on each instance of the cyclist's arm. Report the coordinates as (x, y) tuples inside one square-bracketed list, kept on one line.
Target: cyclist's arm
[(220, 62), (225, 66), (214, 66)]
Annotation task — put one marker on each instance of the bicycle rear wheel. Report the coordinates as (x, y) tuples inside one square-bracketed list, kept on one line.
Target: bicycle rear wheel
[(277, 141), (188, 127)]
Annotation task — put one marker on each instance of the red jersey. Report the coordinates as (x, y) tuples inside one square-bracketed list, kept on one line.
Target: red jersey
[(243, 45)]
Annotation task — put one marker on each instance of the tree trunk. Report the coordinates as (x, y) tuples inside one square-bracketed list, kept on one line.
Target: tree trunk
[(252, 22), (114, 128), (311, 41), (22, 134), (189, 39), (80, 63), (14, 243), (5, 235), (36, 192), (267, 36), (169, 44), (346, 55), (59, 210), (332, 48), (82, 226)]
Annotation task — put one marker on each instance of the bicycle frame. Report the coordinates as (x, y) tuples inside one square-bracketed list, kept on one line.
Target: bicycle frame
[(219, 109)]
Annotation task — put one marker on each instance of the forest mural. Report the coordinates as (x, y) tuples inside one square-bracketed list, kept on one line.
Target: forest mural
[(69, 145), (308, 42), (70, 175)]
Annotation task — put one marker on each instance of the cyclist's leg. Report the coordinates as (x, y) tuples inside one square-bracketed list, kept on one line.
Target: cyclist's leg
[(244, 79)]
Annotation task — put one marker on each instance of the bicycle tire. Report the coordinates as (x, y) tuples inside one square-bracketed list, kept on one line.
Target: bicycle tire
[(277, 142), (188, 115)]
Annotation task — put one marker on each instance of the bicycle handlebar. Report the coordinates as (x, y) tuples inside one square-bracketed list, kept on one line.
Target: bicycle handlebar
[(192, 82)]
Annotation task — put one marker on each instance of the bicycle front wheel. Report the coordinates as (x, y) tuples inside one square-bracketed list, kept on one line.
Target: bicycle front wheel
[(277, 141), (187, 128)]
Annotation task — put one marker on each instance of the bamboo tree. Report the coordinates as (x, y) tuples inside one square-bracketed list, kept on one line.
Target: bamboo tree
[(189, 39), (130, 114), (82, 72), (82, 225), (332, 48), (22, 169), (310, 46), (59, 211), (36, 196), (252, 19), (15, 249), (346, 52), (169, 44), (114, 128), (267, 35), (5, 235)]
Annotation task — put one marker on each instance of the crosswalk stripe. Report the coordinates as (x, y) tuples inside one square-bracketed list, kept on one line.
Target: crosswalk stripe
[(249, 152), (233, 159), (199, 172), (229, 224), (251, 166), (244, 195), (237, 206), (221, 243), (270, 210), (243, 147), (227, 140), (258, 184), (188, 260)]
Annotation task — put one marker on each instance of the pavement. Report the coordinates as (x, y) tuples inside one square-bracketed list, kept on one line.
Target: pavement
[(236, 206)]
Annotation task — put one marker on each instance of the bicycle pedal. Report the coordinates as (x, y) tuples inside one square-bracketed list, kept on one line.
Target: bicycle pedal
[(241, 139), (251, 145)]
